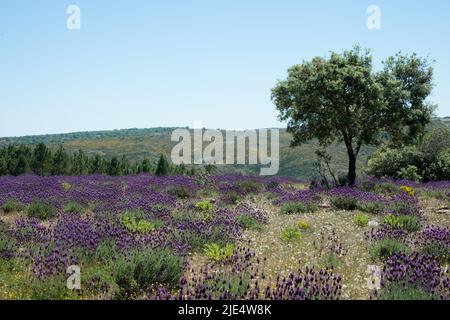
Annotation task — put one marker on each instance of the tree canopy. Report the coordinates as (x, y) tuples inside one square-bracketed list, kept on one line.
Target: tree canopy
[(341, 98)]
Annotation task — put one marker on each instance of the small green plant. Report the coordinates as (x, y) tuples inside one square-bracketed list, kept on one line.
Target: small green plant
[(437, 250), (290, 234), (133, 222), (248, 186), (303, 225), (73, 207), (385, 248), (216, 253), (140, 269), (406, 222), (373, 207), (361, 220), (344, 203), (12, 205), (106, 251), (66, 186), (297, 207), (330, 259), (181, 192), (404, 291), (231, 197), (246, 221), (41, 210), (204, 206), (393, 221), (386, 188)]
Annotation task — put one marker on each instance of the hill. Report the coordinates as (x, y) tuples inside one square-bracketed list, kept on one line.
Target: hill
[(137, 144)]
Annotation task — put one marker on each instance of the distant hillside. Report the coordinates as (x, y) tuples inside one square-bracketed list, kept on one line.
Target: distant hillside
[(138, 144)]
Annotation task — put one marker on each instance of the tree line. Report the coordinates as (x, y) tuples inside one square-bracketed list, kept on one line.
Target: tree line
[(43, 161)]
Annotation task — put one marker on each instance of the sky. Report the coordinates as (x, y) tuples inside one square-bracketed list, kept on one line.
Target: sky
[(141, 64)]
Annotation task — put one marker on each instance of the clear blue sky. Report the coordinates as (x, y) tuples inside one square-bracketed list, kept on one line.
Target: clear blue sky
[(169, 63)]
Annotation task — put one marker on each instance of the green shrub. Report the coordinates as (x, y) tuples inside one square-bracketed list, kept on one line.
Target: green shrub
[(246, 221), (53, 288), (330, 259), (142, 226), (248, 186), (41, 210), (361, 220), (73, 207), (231, 197), (204, 206), (66, 186), (404, 291), (106, 251), (344, 203), (12, 205), (139, 270), (297, 207), (437, 250), (385, 248), (216, 252), (290, 234), (386, 188), (181, 192), (406, 222), (373, 207)]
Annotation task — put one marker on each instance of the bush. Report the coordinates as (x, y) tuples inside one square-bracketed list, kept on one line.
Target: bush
[(181, 192), (204, 206), (139, 270), (40, 210), (246, 221), (231, 197), (437, 250), (386, 188), (303, 225), (395, 291), (12, 205), (73, 207), (290, 234), (248, 186), (385, 248), (297, 207), (405, 222), (216, 253), (361, 220), (344, 203), (374, 207)]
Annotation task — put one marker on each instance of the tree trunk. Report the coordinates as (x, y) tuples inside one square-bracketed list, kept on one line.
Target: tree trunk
[(351, 168)]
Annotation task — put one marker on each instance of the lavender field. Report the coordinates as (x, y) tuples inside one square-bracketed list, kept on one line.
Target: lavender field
[(222, 237)]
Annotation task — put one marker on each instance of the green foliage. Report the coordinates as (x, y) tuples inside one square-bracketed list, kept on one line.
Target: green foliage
[(344, 203), (361, 220), (404, 291), (231, 197), (373, 207), (53, 288), (204, 206), (410, 223), (106, 251), (12, 205), (316, 97), (216, 252), (303, 225), (248, 186), (73, 207), (425, 161), (385, 248), (246, 221), (132, 222), (41, 210), (331, 260), (297, 207), (139, 270), (437, 250), (163, 167), (181, 192), (290, 234)]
